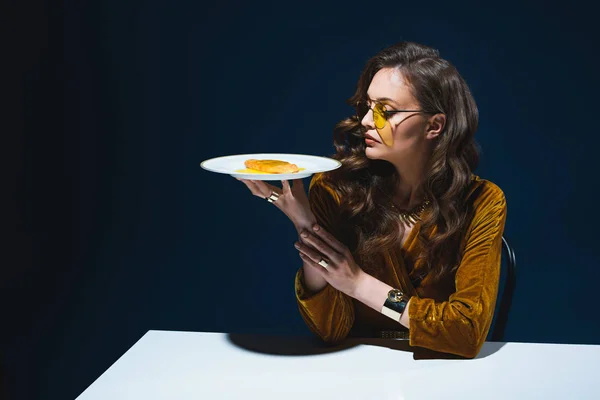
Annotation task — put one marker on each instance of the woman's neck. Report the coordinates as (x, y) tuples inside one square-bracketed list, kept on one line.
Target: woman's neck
[(408, 196), (409, 193)]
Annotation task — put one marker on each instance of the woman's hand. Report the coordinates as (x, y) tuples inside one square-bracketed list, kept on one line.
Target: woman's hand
[(342, 272), (292, 200)]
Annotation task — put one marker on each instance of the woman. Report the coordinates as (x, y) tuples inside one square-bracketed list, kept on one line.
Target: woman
[(402, 240)]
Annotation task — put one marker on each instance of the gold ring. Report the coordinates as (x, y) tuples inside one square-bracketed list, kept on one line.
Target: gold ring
[(273, 197)]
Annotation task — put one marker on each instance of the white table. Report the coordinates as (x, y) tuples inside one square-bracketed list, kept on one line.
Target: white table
[(197, 365)]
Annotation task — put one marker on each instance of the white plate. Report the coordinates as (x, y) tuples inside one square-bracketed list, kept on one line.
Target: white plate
[(232, 165)]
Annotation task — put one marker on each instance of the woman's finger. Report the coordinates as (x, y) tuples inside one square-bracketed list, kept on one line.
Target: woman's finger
[(286, 186), (312, 254), (329, 239), (321, 246), (256, 188), (265, 189), (255, 191), (313, 264)]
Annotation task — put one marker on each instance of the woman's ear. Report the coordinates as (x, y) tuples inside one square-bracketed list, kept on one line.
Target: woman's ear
[(435, 126)]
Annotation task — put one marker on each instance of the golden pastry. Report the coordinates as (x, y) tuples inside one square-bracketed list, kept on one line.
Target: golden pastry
[(271, 166)]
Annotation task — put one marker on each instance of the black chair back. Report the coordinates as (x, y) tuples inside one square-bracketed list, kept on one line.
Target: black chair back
[(508, 256)]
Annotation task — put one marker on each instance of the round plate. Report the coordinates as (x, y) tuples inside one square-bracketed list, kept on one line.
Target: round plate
[(234, 165)]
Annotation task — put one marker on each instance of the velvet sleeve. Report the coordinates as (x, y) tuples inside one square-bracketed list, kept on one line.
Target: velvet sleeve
[(328, 313), (461, 324)]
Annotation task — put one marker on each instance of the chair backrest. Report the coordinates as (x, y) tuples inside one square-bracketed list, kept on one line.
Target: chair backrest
[(508, 256)]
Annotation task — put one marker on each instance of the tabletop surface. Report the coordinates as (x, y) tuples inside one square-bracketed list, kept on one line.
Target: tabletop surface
[(206, 365)]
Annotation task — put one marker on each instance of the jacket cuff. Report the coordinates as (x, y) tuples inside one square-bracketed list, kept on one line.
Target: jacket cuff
[(304, 295)]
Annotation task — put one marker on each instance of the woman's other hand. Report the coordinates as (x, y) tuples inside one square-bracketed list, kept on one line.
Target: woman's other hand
[(342, 272)]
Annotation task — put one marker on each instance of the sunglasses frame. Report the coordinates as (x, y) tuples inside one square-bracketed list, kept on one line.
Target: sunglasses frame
[(386, 114)]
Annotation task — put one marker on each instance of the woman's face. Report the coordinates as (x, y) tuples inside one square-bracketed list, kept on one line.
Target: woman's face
[(404, 132)]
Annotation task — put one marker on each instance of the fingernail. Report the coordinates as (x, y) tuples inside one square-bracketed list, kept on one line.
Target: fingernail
[(316, 227), (304, 234), (296, 245)]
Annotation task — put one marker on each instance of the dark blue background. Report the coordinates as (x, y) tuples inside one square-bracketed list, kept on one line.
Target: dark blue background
[(115, 228)]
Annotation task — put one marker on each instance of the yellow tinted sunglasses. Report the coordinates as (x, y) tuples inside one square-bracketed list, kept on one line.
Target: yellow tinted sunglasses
[(380, 114)]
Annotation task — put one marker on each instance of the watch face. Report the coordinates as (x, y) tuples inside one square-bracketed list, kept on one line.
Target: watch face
[(395, 295)]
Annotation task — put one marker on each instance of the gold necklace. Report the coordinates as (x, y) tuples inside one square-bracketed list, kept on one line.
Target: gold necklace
[(414, 215)]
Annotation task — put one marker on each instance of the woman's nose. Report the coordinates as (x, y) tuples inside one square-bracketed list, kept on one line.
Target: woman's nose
[(367, 120)]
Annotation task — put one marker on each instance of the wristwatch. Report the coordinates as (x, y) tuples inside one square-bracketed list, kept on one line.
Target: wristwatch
[(394, 304)]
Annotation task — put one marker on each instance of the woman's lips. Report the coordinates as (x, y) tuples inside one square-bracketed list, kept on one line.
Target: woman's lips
[(370, 138)]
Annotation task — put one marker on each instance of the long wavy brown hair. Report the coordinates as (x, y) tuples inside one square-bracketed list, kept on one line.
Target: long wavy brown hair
[(367, 186)]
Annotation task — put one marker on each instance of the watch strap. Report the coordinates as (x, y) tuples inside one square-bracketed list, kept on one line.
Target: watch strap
[(394, 309)]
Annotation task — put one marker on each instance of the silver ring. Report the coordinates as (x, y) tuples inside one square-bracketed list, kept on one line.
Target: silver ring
[(323, 263), (273, 197)]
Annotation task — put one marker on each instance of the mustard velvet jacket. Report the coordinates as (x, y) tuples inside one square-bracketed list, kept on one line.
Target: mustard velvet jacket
[(452, 316)]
